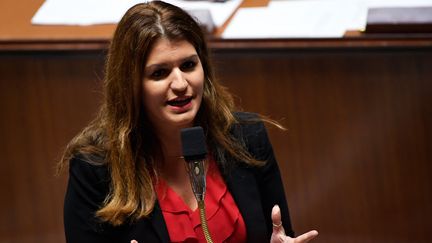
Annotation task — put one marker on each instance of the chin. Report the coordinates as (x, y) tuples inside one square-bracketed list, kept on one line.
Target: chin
[(182, 120)]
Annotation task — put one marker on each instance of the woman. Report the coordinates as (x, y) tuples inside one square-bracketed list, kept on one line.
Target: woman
[(128, 181)]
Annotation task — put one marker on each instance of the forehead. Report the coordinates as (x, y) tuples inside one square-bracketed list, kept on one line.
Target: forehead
[(164, 50)]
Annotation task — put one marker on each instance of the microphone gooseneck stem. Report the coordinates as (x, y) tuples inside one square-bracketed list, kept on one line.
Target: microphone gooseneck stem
[(203, 220), (194, 153), (197, 176)]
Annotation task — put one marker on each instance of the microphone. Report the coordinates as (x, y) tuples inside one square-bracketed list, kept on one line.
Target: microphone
[(194, 153)]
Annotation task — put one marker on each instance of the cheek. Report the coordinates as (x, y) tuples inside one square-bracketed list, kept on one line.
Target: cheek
[(199, 83), (151, 94), (199, 89)]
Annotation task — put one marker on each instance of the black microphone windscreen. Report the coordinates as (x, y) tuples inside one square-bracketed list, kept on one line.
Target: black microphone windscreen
[(193, 143)]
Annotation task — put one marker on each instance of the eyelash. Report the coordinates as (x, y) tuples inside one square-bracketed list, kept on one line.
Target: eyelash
[(188, 65), (161, 73)]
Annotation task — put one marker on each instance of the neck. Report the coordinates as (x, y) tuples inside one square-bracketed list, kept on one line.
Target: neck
[(170, 161)]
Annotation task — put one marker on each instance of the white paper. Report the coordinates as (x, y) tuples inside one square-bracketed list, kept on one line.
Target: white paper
[(359, 22), (396, 3), (307, 18), (281, 19), (89, 12), (81, 12), (290, 19), (220, 11)]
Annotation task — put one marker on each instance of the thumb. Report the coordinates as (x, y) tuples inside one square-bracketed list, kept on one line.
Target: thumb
[(277, 220)]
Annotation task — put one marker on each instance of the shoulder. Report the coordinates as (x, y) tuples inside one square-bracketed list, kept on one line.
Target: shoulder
[(251, 132), (247, 124), (241, 115), (88, 186), (89, 171), (88, 163)]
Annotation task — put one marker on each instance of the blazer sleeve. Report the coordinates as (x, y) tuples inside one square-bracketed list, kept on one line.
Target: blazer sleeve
[(268, 177), (87, 188)]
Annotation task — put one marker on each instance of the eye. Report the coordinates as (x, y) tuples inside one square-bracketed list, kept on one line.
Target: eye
[(188, 65), (159, 74)]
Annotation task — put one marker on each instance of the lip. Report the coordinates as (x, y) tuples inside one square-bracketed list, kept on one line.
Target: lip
[(180, 98), (180, 104)]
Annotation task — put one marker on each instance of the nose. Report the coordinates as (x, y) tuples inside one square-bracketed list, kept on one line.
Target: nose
[(179, 82)]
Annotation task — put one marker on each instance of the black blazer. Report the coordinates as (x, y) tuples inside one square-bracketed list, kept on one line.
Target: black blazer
[(255, 190)]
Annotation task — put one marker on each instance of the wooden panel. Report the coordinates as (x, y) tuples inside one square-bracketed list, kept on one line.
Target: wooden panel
[(356, 158), (45, 99)]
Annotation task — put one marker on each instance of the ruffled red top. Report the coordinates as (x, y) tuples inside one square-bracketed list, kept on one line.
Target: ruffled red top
[(224, 220)]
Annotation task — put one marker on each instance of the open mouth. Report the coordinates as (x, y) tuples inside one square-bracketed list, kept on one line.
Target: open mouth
[(182, 101)]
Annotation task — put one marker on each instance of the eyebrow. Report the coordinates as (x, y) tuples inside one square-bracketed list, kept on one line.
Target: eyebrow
[(156, 65)]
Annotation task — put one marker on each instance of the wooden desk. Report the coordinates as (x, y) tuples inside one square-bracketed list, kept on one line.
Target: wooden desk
[(18, 34), (356, 159)]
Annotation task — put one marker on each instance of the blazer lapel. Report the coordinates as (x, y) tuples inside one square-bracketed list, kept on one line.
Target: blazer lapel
[(244, 189), (149, 230), (159, 225)]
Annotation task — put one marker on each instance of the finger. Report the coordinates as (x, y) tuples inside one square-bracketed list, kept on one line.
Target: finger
[(134, 241), (277, 220), (306, 237)]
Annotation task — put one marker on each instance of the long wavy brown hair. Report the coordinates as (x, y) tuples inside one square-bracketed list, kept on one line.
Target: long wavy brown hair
[(121, 136)]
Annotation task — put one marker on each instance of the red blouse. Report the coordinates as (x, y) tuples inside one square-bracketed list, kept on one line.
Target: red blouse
[(223, 217)]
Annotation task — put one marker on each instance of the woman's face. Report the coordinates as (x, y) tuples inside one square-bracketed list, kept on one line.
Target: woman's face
[(173, 84)]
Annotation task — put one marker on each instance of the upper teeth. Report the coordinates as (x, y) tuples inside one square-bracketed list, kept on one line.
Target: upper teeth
[(180, 99)]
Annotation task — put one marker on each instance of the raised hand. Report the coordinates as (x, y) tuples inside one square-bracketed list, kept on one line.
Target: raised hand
[(279, 236)]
